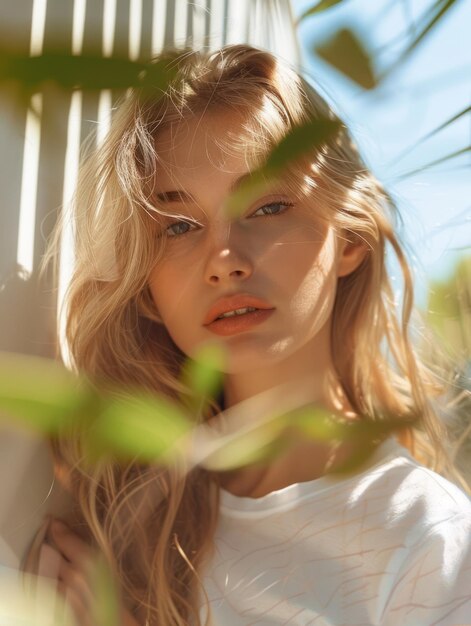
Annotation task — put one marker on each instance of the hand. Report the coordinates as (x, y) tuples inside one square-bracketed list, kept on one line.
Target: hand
[(75, 574)]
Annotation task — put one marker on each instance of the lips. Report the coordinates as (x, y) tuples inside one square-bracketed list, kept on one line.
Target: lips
[(231, 303)]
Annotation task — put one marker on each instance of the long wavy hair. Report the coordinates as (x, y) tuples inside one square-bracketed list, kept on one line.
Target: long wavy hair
[(156, 526)]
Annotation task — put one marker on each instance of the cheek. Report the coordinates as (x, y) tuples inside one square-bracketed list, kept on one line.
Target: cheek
[(170, 282), (172, 290), (164, 288), (286, 248), (302, 252), (162, 285), (312, 274)]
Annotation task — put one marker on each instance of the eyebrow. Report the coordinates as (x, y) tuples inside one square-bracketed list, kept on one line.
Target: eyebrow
[(182, 196)]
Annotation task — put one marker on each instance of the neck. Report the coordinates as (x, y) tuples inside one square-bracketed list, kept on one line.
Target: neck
[(301, 380), (310, 371)]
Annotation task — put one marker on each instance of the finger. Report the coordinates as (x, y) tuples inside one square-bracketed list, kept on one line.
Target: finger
[(77, 581), (49, 561), (75, 602), (69, 543)]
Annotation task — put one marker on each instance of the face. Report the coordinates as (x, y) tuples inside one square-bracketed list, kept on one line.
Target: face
[(277, 250)]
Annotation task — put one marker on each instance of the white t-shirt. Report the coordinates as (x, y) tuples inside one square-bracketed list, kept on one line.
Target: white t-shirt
[(389, 546)]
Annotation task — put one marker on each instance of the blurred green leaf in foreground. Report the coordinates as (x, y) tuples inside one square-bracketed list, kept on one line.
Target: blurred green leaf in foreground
[(106, 605), (449, 310), (347, 53), (85, 72), (301, 141), (319, 7), (39, 394)]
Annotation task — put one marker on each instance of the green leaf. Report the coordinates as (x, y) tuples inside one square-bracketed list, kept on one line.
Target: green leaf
[(203, 373), (447, 157), (446, 123), (323, 5), (440, 8), (139, 424), (253, 186), (363, 433), (357, 457), (317, 424), (262, 442), (433, 17), (449, 309), (70, 71), (346, 53), (40, 393), (105, 607), (87, 72), (300, 141), (434, 132)]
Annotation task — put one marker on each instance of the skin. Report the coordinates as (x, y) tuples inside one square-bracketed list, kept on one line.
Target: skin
[(74, 579), (292, 259)]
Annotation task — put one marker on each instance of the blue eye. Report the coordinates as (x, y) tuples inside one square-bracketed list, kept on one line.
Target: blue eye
[(179, 231), (281, 206)]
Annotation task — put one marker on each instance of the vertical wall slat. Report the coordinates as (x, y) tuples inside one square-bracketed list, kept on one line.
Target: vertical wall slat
[(216, 10), (190, 10), (15, 35), (225, 19), (207, 21), (159, 23), (198, 19), (135, 29), (29, 175), (180, 22)]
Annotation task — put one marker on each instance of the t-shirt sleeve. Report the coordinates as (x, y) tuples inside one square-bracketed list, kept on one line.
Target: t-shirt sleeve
[(432, 586)]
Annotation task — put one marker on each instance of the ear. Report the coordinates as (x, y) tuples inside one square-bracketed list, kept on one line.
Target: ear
[(352, 251)]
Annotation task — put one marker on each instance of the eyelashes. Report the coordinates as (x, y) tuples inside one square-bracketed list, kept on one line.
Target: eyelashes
[(282, 205), (176, 224)]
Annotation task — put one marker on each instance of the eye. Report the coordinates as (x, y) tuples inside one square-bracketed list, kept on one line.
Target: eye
[(179, 228), (274, 208)]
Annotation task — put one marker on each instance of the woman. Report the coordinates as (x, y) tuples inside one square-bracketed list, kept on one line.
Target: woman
[(293, 286)]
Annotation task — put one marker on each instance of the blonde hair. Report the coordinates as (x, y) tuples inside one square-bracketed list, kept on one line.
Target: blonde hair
[(155, 526)]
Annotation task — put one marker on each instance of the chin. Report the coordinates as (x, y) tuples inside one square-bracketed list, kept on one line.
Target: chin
[(245, 352), (252, 358)]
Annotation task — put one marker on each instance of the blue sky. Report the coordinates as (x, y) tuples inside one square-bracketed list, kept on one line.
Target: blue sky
[(431, 86)]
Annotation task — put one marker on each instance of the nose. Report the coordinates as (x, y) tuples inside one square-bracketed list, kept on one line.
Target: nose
[(228, 260)]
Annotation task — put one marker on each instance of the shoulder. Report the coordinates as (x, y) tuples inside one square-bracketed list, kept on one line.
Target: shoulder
[(410, 494), (422, 526)]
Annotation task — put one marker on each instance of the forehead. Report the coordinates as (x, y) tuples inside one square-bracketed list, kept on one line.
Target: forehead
[(205, 155), (216, 142)]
